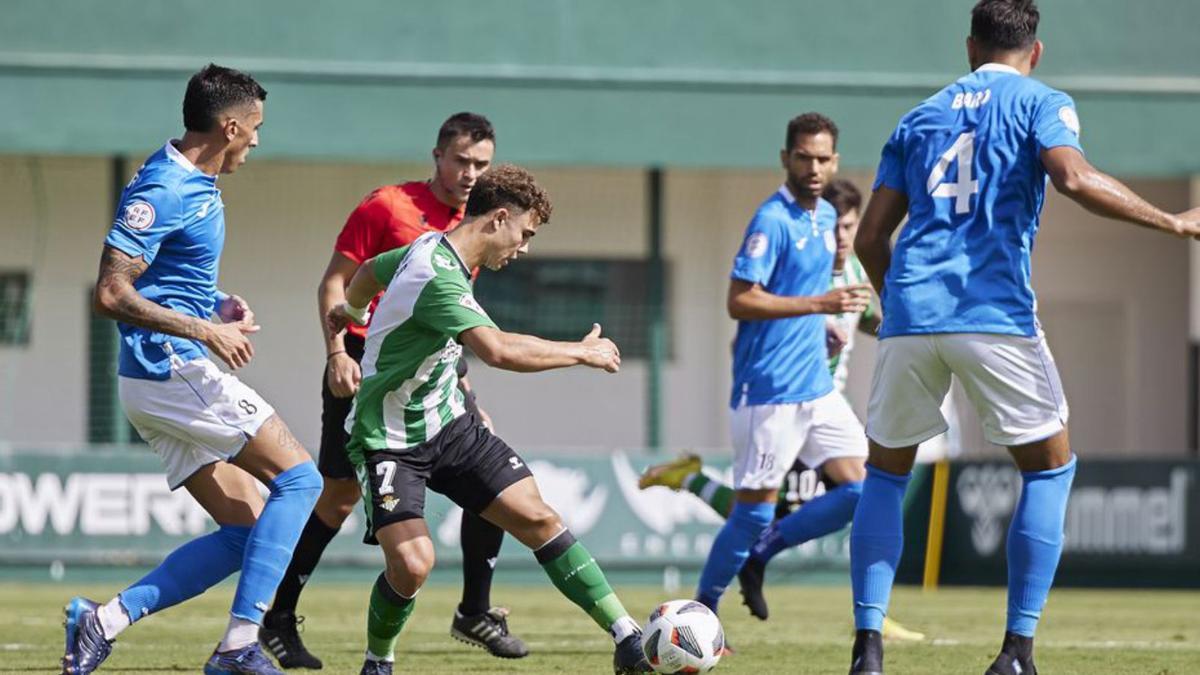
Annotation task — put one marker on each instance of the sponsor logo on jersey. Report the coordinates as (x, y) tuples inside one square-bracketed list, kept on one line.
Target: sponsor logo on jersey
[(467, 300), (1069, 118), (213, 201), (756, 245), (139, 215)]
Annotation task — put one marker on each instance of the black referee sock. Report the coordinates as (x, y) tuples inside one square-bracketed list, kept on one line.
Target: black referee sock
[(313, 540), (481, 542)]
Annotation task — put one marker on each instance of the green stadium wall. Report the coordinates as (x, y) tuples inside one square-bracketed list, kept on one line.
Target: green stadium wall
[(1128, 523), (623, 82)]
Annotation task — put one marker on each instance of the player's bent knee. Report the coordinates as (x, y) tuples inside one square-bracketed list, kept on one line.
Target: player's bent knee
[(408, 569), (300, 486), (757, 496), (846, 469), (537, 525), (332, 513), (338, 498), (303, 477)]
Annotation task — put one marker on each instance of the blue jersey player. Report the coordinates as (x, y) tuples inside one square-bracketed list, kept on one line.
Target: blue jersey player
[(214, 435), (783, 401), (969, 167)]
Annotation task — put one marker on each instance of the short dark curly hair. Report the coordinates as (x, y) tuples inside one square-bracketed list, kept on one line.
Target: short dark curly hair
[(509, 186), (809, 124)]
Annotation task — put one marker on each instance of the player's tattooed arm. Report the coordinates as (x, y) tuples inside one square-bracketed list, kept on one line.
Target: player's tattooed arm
[(116, 297), (1106, 196)]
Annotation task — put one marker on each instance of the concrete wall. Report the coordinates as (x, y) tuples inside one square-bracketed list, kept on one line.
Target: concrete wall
[(1114, 301)]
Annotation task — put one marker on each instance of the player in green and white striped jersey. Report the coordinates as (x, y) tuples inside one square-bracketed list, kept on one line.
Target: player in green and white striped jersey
[(410, 429)]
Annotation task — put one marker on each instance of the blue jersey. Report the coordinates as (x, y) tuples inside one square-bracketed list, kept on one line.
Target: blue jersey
[(788, 250), (171, 214), (969, 159)]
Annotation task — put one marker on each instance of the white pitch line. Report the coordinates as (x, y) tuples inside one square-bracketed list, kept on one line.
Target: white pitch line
[(1084, 644)]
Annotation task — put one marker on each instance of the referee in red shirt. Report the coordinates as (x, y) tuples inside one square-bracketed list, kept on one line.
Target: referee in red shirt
[(390, 217)]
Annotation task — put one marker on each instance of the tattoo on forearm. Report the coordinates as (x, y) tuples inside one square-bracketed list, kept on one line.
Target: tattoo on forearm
[(118, 272)]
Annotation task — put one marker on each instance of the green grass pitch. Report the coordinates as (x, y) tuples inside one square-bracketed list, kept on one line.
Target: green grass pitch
[(1083, 631)]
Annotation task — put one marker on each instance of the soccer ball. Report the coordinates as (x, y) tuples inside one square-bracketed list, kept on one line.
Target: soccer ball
[(683, 636)]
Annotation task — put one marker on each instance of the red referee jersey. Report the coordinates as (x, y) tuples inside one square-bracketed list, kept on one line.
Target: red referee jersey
[(391, 217)]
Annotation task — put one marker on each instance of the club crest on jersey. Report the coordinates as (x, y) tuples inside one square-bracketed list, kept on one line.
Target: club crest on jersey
[(1069, 118), (467, 300), (444, 262), (756, 245), (139, 215), (389, 503)]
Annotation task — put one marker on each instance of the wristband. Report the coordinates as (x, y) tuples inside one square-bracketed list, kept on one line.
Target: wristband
[(358, 314), (330, 355)]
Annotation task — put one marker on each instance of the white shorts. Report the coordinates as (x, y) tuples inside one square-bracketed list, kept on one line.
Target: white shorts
[(198, 416), (1011, 381), (768, 438)]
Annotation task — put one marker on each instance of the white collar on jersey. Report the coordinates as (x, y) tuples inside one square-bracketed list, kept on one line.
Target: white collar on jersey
[(177, 156), (997, 68), (786, 194)]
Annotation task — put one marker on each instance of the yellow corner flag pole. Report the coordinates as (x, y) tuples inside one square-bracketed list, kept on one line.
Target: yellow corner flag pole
[(937, 525)]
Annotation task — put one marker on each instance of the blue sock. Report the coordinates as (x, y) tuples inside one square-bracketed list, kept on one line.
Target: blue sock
[(269, 548), (187, 572), (876, 541), (1035, 539), (828, 513), (731, 548)]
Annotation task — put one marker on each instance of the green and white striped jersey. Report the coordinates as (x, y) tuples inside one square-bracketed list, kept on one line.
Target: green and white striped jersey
[(409, 390), (852, 273)]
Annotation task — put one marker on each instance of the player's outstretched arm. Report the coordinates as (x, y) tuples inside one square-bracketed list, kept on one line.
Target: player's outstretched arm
[(116, 298), (751, 302), (1106, 196), (529, 354), (873, 243)]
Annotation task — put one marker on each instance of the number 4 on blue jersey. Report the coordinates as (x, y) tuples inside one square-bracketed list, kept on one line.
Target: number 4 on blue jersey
[(969, 161)]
